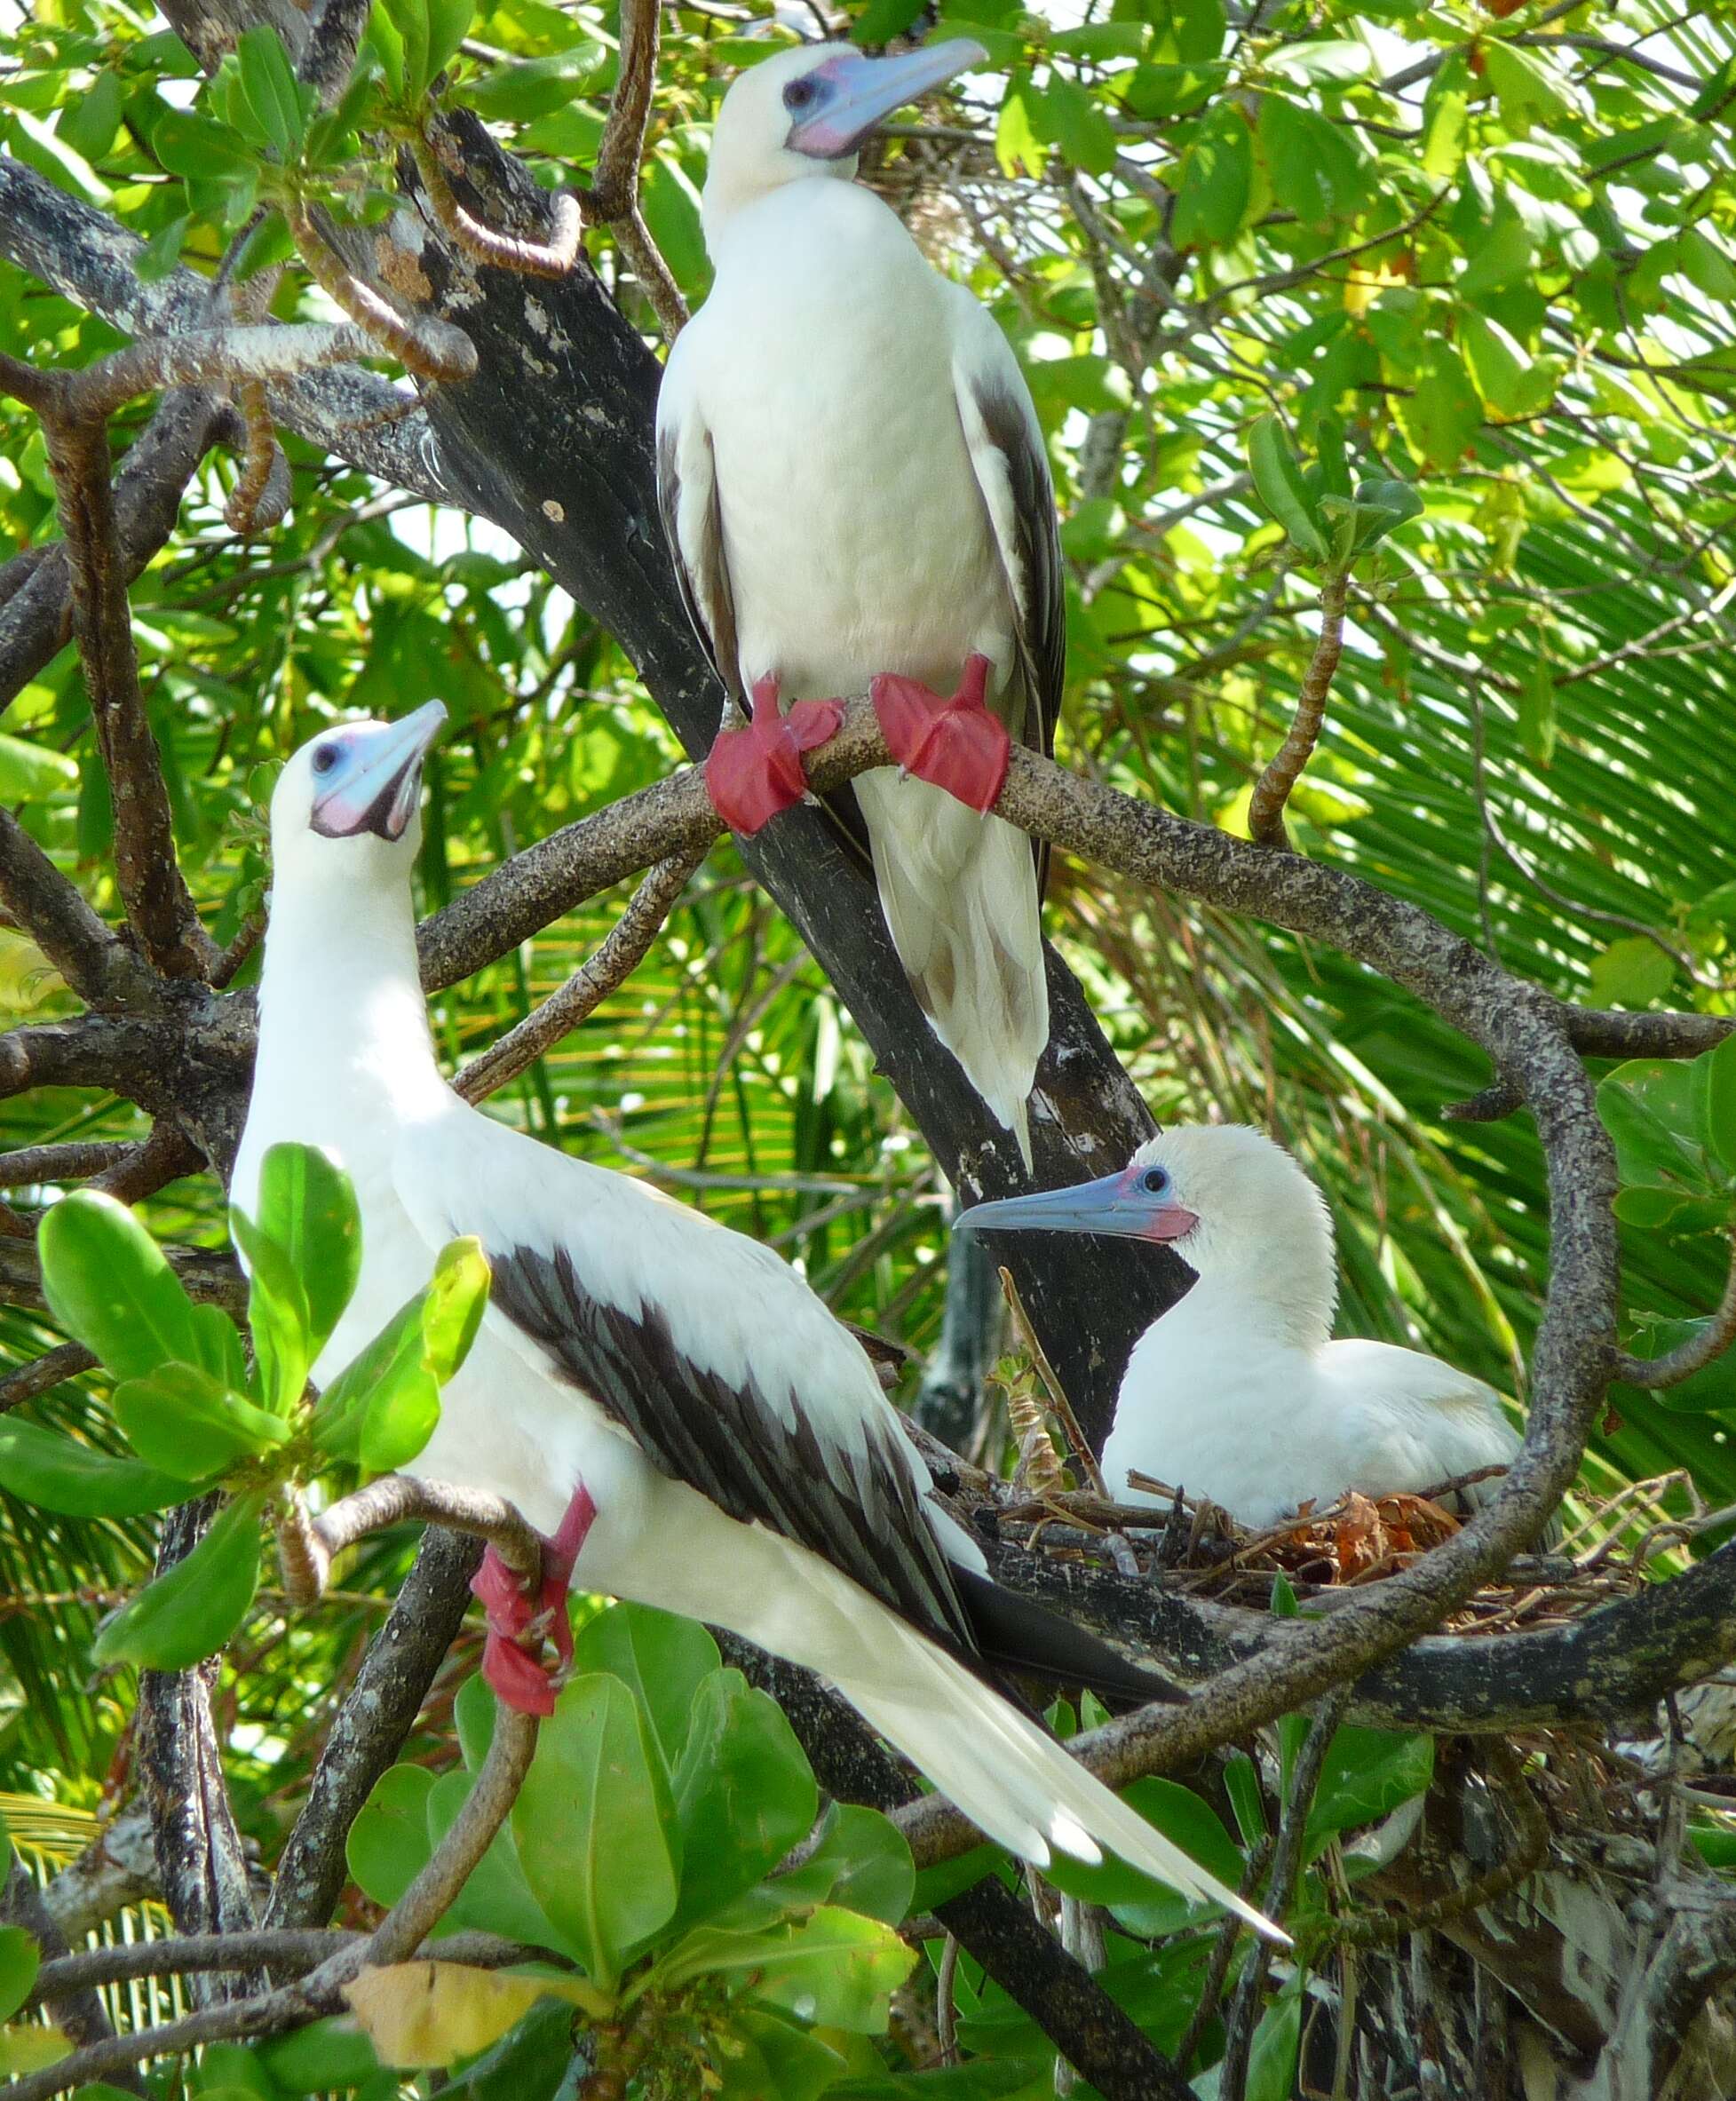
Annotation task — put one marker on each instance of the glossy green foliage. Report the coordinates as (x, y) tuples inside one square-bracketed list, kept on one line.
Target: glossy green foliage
[(664, 1794), (193, 1415), (1471, 262)]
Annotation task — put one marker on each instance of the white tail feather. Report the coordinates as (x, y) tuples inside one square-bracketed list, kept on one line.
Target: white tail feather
[(1010, 1778), (960, 895)]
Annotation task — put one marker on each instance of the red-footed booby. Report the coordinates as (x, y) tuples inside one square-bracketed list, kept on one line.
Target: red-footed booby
[(855, 488), (1238, 1392), (663, 1396)]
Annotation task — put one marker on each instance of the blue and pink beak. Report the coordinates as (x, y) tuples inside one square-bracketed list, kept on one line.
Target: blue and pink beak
[(1138, 1203), (367, 775), (841, 101)]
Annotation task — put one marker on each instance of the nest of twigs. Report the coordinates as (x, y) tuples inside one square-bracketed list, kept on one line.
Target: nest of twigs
[(1606, 1550)]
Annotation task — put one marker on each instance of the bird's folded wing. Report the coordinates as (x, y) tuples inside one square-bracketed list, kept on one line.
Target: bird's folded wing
[(703, 1346), (1005, 442), (693, 520)]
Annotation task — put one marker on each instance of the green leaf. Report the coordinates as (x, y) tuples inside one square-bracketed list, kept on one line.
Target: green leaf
[(455, 1302), (326, 2055), (662, 1659), (54, 1473), (1333, 60), (768, 2057), (595, 1826), (883, 19), (1078, 126), (835, 1967), (1654, 1110), (1271, 2060), (1199, 28), (1720, 1117), (109, 1285), (1367, 1774), (1630, 972), (1537, 713), (1018, 147), (272, 91), (529, 88), (862, 1863), (409, 19), (1526, 87), (744, 1794), (1316, 170), (496, 1898), (307, 1206), (1278, 483), (1503, 258), (1141, 1904), (89, 124), (191, 1611), (449, 24), (20, 1960), (1444, 413), (276, 1314), (189, 145), (388, 1844), (182, 1421), (1216, 180), (1511, 382), (1713, 1387)]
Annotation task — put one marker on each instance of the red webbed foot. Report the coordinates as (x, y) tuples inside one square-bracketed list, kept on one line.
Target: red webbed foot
[(752, 773), (958, 744), (522, 1613)]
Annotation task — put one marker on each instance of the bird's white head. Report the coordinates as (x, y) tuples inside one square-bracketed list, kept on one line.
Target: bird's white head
[(1232, 1202), (804, 113), (345, 809)]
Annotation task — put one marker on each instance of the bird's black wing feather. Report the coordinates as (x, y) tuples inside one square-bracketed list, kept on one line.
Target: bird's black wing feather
[(862, 1510), (1034, 563)]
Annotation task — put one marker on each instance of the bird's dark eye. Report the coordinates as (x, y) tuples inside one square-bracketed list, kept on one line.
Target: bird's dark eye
[(325, 758), (1155, 1181), (799, 93)]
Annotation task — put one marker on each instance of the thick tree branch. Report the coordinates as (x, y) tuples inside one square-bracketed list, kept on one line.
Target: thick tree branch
[(293, 1951)]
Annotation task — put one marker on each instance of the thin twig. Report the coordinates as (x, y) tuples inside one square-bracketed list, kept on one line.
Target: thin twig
[(42, 1373), (1656, 1373), (292, 1950), (74, 1162), (158, 904), (1271, 791), (261, 496), (100, 967), (553, 257), (395, 1498), (1222, 1949), (426, 347), (613, 199), (623, 948)]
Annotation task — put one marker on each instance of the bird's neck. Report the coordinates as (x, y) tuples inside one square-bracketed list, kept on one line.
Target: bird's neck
[(342, 1023), (1290, 1303)]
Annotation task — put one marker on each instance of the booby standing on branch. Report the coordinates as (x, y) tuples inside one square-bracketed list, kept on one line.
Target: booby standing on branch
[(666, 1397), (1238, 1392), (855, 488)]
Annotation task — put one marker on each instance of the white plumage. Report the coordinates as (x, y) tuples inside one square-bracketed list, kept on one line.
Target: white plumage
[(854, 483), (670, 1366), (1237, 1393)]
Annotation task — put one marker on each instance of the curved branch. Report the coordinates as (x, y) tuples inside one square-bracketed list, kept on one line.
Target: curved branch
[(1285, 768), (1657, 1373)]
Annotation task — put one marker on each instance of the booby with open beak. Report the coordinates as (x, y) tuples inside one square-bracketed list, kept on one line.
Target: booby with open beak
[(855, 488), (665, 1398), (1237, 1393)]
